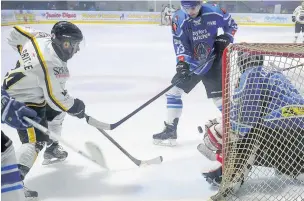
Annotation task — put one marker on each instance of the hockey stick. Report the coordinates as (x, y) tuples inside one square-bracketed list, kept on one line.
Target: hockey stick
[(105, 126), (139, 163), (96, 154), (285, 69)]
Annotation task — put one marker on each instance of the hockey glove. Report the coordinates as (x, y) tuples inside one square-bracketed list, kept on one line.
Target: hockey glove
[(293, 18), (12, 113), (182, 70), (220, 43), (78, 109)]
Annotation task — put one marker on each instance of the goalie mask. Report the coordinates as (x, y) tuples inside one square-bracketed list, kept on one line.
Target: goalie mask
[(247, 60), (66, 38)]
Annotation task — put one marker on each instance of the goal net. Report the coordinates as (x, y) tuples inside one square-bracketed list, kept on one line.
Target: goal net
[(263, 118)]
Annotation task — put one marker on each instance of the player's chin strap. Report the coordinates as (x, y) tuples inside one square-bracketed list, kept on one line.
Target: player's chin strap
[(95, 156), (157, 160), (102, 125)]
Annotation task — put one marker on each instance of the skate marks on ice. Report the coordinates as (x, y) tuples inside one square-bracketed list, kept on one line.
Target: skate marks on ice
[(172, 180), (70, 181), (267, 187)]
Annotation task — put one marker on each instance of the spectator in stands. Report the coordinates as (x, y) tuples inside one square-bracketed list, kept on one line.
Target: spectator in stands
[(92, 8)]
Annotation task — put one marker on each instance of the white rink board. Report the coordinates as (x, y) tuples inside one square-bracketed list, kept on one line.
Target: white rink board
[(9, 17)]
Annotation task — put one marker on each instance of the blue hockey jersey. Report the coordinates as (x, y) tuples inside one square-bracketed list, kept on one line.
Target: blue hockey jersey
[(193, 38), (267, 98)]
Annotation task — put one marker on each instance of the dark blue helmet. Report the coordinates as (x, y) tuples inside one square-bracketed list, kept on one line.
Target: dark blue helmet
[(192, 8), (190, 4)]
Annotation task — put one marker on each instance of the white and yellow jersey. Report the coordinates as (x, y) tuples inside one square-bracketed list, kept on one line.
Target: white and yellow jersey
[(41, 76), (299, 14)]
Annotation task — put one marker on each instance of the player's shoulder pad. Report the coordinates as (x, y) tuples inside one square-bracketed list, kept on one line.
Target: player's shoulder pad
[(213, 8), (177, 21)]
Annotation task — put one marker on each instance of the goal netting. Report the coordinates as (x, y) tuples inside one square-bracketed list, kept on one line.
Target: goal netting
[(263, 123)]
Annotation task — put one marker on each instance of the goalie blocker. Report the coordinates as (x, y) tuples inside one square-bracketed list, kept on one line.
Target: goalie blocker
[(267, 125)]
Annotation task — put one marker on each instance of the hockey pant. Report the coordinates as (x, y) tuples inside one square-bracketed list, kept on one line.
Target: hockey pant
[(212, 81), (33, 140), (11, 183)]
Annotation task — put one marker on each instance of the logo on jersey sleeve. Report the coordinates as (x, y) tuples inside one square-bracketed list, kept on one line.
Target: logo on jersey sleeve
[(224, 10), (201, 51), (181, 58), (174, 27)]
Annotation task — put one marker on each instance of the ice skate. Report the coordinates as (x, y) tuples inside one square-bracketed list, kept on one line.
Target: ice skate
[(213, 177), (168, 136), (54, 154), (30, 195)]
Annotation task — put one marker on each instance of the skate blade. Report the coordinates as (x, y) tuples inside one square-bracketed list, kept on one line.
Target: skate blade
[(50, 161), (167, 143)]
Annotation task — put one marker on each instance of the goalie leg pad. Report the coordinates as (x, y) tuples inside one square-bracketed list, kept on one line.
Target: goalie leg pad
[(26, 156)]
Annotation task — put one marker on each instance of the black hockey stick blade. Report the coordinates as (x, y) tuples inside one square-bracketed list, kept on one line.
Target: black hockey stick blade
[(140, 163), (101, 125)]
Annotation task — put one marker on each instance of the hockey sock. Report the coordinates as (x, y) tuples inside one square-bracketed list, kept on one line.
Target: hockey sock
[(174, 104), (26, 156)]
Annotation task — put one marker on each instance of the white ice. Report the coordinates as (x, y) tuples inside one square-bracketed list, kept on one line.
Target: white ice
[(120, 67)]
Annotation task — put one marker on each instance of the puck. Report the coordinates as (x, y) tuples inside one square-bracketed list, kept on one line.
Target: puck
[(200, 130)]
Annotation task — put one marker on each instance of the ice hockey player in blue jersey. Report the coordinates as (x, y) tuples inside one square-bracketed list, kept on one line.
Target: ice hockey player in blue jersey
[(12, 113), (196, 41), (267, 111)]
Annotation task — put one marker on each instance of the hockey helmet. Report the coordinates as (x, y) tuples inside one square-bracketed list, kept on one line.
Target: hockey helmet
[(247, 60), (192, 8), (66, 37)]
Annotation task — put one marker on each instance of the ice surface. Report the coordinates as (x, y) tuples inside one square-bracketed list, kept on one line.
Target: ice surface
[(120, 68)]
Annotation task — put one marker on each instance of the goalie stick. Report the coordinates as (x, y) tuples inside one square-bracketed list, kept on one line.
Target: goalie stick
[(93, 149), (285, 69), (139, 163), (106, 126)]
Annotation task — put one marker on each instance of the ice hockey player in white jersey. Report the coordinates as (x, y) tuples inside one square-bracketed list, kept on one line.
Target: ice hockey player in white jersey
[(39, 81), (167, 15), (298, 18)]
